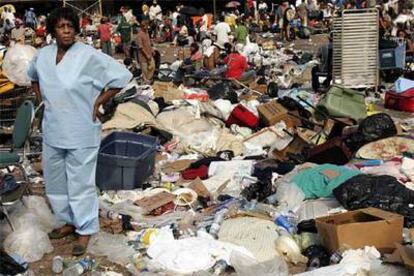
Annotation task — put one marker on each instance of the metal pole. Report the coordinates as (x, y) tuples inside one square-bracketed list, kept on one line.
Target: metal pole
[(100, 8), (214, 10)]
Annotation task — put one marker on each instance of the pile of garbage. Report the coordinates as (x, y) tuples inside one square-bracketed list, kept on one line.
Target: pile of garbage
[(262, 178)]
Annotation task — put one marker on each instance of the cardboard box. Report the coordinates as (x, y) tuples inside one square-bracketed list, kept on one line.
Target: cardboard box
[(369, 226), (272, 112)]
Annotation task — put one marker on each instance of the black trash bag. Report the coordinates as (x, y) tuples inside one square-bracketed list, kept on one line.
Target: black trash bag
[(272, 90), (307, 226), (372, 128), (223, 90), (317, 256), (380, 191), (8, 266)]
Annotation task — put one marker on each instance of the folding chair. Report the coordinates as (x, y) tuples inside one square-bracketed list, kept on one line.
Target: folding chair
[(17, 155)]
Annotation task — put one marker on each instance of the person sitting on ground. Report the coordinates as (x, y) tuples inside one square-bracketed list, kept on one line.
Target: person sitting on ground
[(237, 67), (325, 66), (190, 65)]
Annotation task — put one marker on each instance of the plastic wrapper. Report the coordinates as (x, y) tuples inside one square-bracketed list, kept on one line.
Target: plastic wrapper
[(246, 266), (36, 214), (31, 243), (16, 63), (289, 195), (287, 247), (114, 247)]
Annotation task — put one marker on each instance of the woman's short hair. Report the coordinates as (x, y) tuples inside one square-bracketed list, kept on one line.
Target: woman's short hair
[(62, 13)]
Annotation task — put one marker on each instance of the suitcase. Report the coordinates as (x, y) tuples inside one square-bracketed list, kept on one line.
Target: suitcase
[(403, 101), (243, 117)]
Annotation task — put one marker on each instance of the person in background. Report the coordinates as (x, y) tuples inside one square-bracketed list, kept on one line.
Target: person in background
[(104, 31), (145, 12), (241, 32), (250, 4), (403, 37), (125, 30), (30, 18), (237, 67), (324, 55), (73, 80), (155, 15), (222, 31), (83, 23), (155, 12), (145, 53), (18, 33), (190, 65), (41, 30)]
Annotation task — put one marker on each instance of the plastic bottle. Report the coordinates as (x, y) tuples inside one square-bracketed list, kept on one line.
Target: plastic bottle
[(218, 219), (82, 266), (57, 264), (284, 222)]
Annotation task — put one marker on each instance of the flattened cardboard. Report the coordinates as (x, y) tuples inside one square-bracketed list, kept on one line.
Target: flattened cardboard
[(406, 254), (153, 202), (369, 226)]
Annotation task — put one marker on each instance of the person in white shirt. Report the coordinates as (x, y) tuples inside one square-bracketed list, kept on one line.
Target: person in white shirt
[(155, 12), (222, 31), (262, 6)]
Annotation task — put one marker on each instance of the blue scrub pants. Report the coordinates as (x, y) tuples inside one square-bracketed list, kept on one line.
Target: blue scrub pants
[(70, 186)]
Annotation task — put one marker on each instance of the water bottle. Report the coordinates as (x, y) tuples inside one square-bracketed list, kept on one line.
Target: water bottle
[(82, 266), (283, 221), (57, 264), (218, 219)]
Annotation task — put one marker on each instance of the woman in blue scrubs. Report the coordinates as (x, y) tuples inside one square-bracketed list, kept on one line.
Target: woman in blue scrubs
[(73, 80)]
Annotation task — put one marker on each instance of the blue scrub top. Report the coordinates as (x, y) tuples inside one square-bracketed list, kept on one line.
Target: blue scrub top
[(69, 90)]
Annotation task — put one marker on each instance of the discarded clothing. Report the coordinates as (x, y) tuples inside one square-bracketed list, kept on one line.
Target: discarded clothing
[(7, 184), (319, 181)]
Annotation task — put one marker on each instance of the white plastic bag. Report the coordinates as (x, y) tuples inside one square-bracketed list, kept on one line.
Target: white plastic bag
[(30, 243), (246, 266), (16, 63), (115, 247)]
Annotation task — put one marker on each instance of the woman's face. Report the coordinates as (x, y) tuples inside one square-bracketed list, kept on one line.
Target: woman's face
[(65, 33)]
